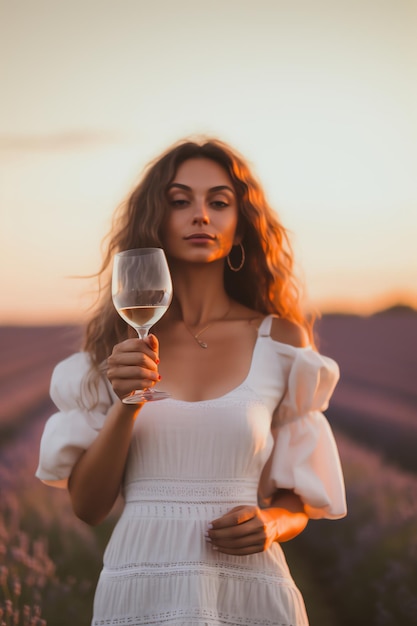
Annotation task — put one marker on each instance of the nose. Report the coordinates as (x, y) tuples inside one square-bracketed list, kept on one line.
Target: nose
[(200, 213)]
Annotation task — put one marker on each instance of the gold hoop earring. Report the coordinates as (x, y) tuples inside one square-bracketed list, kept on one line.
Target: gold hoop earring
[(242, 261)]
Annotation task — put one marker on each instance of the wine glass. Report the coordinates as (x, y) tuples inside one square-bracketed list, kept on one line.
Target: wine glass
[(142, 292)]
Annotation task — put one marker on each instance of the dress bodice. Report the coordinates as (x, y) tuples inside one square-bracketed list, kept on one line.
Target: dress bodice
[(269, 430)]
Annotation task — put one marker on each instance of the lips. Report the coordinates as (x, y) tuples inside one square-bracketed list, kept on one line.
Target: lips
[(200, 236)]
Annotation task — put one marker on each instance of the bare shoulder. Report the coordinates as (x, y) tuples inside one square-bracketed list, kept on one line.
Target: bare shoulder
[(284, 331)]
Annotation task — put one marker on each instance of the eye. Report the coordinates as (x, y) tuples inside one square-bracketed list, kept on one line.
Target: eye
[(178, 202), (219, 204)]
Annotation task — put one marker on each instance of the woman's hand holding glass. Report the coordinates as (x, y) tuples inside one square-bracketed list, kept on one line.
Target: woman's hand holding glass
[(133, 364)]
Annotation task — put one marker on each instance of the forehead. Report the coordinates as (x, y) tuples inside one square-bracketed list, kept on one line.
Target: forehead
[(202, 173)]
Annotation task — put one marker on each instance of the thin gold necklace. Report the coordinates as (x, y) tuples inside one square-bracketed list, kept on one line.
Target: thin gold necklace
[(196, 336)]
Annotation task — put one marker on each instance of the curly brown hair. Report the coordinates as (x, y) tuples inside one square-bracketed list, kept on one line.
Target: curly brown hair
[(266, 282)]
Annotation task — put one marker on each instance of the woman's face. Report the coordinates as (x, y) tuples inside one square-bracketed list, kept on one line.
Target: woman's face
[(203, 215)]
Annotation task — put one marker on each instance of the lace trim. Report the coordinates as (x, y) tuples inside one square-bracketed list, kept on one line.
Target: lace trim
[(191, 491), (194, 568), (197, 511), (192, 617)]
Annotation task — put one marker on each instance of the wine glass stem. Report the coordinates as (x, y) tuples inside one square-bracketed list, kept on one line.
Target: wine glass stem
[(142, 332)]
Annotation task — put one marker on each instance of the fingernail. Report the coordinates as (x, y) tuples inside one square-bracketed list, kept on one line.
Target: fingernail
[(159, 377), (210, 526), (213, 547), (207, 539), (157, 360)]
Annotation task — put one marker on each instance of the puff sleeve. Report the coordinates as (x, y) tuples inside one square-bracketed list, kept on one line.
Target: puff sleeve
[(74, 427), (304, 456)]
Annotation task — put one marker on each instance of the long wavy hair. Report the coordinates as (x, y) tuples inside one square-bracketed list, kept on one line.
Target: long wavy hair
[(266, 281)]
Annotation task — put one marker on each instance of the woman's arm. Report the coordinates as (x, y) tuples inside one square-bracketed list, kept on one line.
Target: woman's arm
[(96, 478), (250, 529), (286, 513)]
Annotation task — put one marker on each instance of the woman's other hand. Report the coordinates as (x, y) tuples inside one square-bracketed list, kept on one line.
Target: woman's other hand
[(243, 530), (249, 529), (133, 364)]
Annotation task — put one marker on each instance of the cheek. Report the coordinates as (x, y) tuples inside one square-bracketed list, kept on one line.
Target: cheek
[(167, 225), (231, 227), (169, 230)]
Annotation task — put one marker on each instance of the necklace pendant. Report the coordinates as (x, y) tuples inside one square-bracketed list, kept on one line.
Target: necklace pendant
[(202, 344)]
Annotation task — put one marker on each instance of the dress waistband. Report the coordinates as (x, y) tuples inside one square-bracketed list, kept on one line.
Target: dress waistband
[(208, 491)]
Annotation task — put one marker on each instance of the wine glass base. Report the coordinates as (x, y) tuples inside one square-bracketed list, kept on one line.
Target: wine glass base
[(147, 395)]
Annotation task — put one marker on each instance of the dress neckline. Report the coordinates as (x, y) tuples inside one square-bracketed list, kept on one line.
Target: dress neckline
[(263, 333)]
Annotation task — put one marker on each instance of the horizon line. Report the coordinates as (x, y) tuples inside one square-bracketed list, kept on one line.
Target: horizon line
[(353, 309)]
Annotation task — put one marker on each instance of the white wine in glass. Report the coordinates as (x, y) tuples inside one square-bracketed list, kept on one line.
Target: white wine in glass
[(142, 292)]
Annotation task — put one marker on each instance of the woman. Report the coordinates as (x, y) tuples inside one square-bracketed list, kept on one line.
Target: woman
[(239, 457)]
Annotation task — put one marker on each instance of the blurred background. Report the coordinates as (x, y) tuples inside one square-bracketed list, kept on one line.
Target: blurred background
[(321, 98)]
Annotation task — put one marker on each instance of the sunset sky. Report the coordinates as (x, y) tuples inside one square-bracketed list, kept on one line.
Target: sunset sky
[(320, 96)]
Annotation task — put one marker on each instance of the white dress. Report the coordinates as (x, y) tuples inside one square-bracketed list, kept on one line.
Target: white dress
[(191, 462)]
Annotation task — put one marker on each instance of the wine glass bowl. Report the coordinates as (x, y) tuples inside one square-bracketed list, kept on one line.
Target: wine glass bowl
[(141, 292)]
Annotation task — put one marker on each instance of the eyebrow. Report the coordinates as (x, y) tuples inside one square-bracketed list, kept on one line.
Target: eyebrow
[(211, 190)]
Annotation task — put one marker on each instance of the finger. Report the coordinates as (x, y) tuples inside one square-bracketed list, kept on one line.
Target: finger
[(134, 359), (255, 542), (252, 549), (123, 388), (132, 352), (251, 529), (136, 345), (257, 536), (238, 515), (124, 379), (153, 343), (132, 372)]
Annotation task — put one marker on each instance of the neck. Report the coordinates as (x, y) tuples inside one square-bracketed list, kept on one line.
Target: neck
[(199, 293)]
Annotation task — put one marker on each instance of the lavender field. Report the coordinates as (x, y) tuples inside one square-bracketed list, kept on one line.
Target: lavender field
[(359, 571)]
